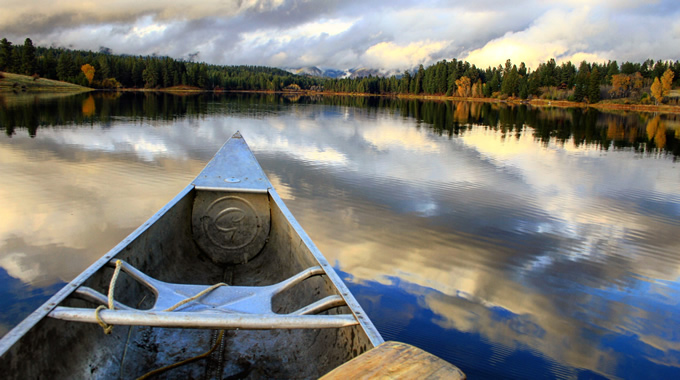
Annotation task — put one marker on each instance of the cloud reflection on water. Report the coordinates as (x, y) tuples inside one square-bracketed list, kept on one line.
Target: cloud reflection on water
[(555, 237)]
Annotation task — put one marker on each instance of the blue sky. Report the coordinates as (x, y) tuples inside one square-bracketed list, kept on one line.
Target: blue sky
[(343, 34)]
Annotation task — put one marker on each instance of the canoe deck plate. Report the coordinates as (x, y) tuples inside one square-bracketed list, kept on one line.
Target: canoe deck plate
[(234, 168)]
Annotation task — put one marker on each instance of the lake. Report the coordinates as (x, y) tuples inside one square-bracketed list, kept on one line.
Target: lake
[(512, 241)]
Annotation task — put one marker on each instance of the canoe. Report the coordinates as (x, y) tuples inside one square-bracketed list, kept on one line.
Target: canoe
[(222, 282)]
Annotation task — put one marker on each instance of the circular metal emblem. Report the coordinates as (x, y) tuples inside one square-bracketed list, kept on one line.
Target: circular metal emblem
[(230, 223), (230, 229)]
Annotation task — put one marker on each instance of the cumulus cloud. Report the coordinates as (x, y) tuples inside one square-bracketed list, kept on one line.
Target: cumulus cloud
[(593, 31), (393, 35)]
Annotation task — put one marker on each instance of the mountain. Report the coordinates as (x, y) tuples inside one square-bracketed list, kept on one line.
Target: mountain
[(310, 70), (359, 72)]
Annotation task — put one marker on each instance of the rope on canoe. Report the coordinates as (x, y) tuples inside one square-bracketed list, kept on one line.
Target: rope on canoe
[(186, 361), (108, 328), (112, 287), (197, 296), (197, 357)]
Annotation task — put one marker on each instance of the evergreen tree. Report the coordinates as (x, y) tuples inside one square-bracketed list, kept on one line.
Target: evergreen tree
[(581, 82), (495, 83), (6, 55), (568, 74), (405, 82), (65, 66), (523, 88), (594, 86), (29, 63), (48, 65), (612, 69), (510, 85), (16, 60)]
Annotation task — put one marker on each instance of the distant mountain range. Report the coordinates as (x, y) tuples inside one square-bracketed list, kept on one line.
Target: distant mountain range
[(361, 72)]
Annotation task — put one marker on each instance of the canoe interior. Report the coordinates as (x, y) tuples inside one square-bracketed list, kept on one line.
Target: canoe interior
[(167, 251)]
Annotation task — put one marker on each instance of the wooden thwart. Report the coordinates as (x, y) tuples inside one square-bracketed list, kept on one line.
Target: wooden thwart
[(395, 360)]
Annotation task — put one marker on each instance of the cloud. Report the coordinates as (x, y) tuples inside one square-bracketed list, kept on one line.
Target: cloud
[(346, 34), (390, 55), (593, 31), (556, 34)]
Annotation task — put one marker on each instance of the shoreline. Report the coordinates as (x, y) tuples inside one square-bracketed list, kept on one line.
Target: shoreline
[(510, 101), (542, 103)]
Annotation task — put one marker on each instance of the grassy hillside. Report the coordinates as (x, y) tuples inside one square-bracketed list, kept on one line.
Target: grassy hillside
[(22, 83)]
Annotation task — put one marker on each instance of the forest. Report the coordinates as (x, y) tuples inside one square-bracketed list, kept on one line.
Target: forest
[(648, 82)]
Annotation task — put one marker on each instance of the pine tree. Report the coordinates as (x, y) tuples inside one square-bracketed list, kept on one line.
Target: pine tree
[(29, 63), (594, 86), (65, 66), (6, 55), (581, 82)]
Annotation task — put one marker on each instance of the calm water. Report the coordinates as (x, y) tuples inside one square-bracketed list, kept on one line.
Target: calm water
[(513, 242)]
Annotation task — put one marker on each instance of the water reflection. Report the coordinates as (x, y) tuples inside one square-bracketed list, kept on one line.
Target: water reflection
[(511, 241), (620, 129)]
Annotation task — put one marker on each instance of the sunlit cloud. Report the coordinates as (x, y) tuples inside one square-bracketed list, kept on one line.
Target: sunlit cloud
[(559, 34)]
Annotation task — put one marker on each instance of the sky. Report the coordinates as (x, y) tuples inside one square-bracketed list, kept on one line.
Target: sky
[(392, 35)]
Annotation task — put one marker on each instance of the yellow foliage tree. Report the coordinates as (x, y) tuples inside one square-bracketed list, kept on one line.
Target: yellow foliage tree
[(667, 81), (657, 90), (463, 87), (620, 84), (88, 70)]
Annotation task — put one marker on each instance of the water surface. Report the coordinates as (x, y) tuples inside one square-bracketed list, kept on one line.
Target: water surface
[(512, 242)]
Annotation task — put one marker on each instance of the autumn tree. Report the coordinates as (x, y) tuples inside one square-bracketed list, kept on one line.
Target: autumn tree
[(88, 70), (624, 85), (667, 81), (463, 87), (661, 88), (657, 90), (620, 85)]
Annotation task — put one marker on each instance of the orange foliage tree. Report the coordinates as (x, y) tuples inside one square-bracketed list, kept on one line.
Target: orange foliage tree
[(624, 84), (88, 70), (463, 87)]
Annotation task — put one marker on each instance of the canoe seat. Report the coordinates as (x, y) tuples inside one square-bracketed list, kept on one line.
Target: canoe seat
[(203, 306)]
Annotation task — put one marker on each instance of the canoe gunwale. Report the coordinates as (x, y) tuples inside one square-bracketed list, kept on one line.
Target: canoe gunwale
[(13, 336), (356, 309)]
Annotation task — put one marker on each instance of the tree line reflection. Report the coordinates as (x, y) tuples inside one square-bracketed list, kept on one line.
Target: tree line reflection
[(643, 132)]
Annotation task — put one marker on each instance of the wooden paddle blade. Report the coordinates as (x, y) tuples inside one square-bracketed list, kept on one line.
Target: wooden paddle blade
[(395, 360)]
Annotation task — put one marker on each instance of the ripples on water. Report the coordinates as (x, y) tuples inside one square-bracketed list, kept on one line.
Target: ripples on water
[(512, 242)]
